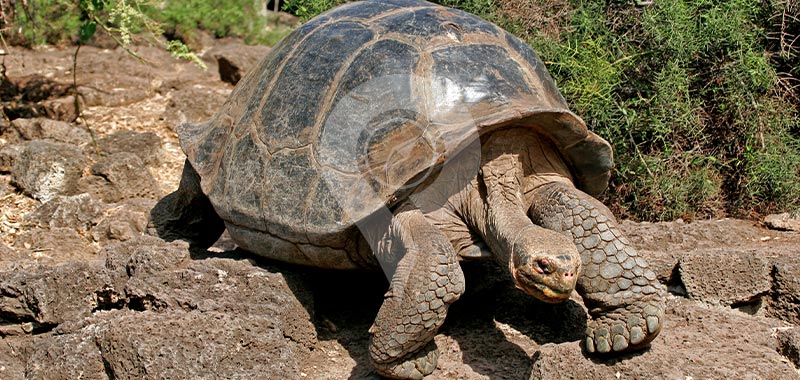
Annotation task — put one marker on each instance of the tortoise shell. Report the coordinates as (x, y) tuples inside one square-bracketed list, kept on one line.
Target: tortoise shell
[(347, 114)]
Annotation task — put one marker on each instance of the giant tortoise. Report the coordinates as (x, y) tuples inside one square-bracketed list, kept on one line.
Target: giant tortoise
[(406, 136)]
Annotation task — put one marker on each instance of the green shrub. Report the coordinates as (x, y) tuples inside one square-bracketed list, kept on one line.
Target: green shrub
[(46, 22), (687, 93), (308, 9), (224, 18)]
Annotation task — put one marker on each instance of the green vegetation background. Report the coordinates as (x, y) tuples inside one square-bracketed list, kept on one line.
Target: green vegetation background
[(700, 98)]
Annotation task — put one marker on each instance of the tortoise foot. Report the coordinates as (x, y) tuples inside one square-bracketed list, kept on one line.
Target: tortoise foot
[(628, 328), (415, 366)]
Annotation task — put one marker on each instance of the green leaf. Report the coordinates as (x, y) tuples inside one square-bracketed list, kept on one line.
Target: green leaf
[(87, 31)]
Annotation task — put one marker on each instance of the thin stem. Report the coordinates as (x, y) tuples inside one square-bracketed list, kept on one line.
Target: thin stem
[(78, 108)]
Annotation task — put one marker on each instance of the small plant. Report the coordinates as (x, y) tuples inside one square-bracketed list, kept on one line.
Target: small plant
[(120, 19)]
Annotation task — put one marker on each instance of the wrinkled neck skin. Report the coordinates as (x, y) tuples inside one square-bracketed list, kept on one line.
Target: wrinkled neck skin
[(482, 195)]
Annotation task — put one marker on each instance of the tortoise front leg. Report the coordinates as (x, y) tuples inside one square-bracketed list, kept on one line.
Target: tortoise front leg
[(426, 280), (624, 298)]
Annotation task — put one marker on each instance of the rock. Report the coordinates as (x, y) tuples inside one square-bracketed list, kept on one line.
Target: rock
[(724, 276), (189, 345), (161, 279), (51, 295), (16, 110), (66, 357), (36, 88), (782, 222), (112, 78), (8, 154), (101, 40), (195, 38), (130, 91), (143, 256), (225, 286), (63, 109), (235, 59), (44, 129), (697, 342), (223, 314), (13, 356), (789, 344), (5, 251), (124, 221), (54, 245), (146, 145), (684, 237), (663, 263), (38, 96), (120, 176), (194, 104), (785, 298), (80, 212), (9, 254), (151, 312), (45, 169), (8, 89)]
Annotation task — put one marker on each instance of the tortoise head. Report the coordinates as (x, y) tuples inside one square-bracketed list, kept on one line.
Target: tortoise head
[(545, 264)]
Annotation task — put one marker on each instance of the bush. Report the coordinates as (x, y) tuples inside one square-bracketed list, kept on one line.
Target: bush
[(224, 18), (307, 9), (59, 22), (687, 93), (45, 22)]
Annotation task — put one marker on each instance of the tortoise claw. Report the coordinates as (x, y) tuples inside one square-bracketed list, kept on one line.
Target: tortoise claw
[(414, 367), (630, 328)]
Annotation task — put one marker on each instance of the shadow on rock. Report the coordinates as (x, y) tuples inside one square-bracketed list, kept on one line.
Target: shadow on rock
[(346, 306), (342, 305), (495, 326)]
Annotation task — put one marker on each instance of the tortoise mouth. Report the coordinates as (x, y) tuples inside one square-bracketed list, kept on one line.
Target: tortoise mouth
[(550, 295), (545, 293)]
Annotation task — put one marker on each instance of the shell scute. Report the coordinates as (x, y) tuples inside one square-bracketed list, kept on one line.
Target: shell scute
[(362, 11), (244, 186), (325, 215), (378, 80), (484, 73), (431, 22), (544, 82), (307, 76), (289, 177)]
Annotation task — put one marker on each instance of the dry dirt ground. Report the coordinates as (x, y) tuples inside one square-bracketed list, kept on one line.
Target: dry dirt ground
[(84, 295)]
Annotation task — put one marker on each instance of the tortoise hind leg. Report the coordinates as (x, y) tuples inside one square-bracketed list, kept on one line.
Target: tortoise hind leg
[(426, 279), (187, 214)]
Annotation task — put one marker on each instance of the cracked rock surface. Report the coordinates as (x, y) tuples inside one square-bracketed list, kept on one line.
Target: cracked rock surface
[(149, 310)]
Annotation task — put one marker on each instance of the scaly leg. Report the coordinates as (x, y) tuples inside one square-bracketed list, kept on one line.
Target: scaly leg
[(426, 280), (624, 298)]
